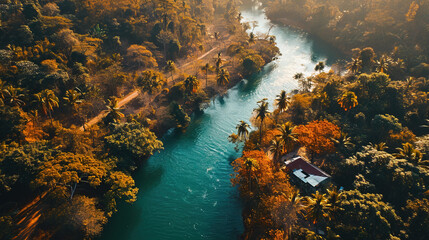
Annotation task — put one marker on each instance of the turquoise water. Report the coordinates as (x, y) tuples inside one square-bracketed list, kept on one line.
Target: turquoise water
[(185, 190)]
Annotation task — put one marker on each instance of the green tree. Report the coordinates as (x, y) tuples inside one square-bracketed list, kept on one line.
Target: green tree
[(243, 130), (276, 149), (206, 68), (132, 140), (348, 101), (14, 96), (282, 101), (316, 208), (114, 114), (64, 172), (222, 78), (320, 67), (179, 115), (191, 84), (170, 67), (261, 113), (287, 135), (150, 81), (72, 99), (410, 153), (355, 65), (47, 101)]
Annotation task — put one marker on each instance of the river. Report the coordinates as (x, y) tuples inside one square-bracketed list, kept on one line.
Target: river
[(185, 190)]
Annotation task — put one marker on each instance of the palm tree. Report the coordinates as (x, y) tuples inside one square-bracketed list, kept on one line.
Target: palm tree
[(47, 101), (191, 84), (282, 101), (218, 62), (382, 64), (261, 113), (343, 143), (292, 208), (304, 83), (243, 130), (114, 111), (13, 96), (348, 100), (251, 38), (287, 135), (276, 148), (72, 98), (2, 91), (316, 208), (320, 66), (207, 68), (222, 77), (251, 166), (216, 35), (334, 201), (379, 146), (409, 152), (355, 65), (170, 67)]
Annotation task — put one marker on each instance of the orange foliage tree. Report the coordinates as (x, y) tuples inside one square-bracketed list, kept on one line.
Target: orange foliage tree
[(317, 136), (267, 190)]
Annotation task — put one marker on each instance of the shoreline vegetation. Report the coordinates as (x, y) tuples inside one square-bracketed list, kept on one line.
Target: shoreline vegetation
[(366, 126), (133, 69)]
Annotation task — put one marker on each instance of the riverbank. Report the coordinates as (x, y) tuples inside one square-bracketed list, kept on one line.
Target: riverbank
[(185, 190)]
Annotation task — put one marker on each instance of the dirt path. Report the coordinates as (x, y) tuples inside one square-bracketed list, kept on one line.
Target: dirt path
[(134, 94), (121, 103)]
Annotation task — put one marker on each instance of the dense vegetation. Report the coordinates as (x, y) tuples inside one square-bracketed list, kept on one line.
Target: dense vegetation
[(63, 167), (366, 124), (367, 131)]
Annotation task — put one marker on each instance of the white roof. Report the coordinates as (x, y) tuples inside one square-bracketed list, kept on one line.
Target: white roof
[(311, 179)]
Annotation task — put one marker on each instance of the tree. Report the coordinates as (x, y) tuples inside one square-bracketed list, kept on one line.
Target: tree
[(287, 135), (132, 140), (179, 115), (343, 143), (13, 96), (207, 68), (170, 67), (377, 219), (316, 208), (140, 57), (191, 84), (222, 78), (305, 84), (334, 200), (418, 210), (65, 171), (243, 130), (218, 61), (282, 101), (252, 64), (410, 153), (47, 101), (72, 98), (320, 67), (355, 65), (261, 113), (382, 64), (348, 101), (317, 136), (114, 114), (276, 149), (150, 81), (252, 38)]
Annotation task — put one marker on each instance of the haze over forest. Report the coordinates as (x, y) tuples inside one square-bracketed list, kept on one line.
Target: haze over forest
[(90, 90)]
